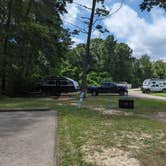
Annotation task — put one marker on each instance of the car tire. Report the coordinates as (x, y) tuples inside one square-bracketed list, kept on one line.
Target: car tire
[(121, 93), (164, 90), (148, 91), (126, 93), (94, 93)]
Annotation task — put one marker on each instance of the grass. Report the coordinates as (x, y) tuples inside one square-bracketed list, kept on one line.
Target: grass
[(87, 129), (159, 94)]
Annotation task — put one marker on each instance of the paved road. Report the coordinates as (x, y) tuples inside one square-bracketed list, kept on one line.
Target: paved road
[(136, 93), (27, 138)]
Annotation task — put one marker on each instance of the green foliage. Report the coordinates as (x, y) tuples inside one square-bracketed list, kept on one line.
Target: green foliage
[(109, 61), (96, 78), (112, 61), (37, 43), (149, 4), (159, 69)]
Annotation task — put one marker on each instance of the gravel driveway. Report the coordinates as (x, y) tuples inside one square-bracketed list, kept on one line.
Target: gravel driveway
[(27, 138), (138, 94)]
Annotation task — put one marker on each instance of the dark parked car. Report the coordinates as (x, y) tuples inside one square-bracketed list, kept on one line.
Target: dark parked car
[(108, 87), (57, 85)]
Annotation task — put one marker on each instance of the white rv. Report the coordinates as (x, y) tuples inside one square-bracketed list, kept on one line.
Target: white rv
[(154, 85)]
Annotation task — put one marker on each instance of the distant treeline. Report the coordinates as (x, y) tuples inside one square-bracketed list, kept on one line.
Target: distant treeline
[(112, 61)]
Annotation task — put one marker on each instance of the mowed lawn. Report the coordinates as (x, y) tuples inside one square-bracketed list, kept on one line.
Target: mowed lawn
[(102, 134), (159, 94)]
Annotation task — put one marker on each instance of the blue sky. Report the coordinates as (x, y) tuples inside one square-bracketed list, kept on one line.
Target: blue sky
[(144, 32)]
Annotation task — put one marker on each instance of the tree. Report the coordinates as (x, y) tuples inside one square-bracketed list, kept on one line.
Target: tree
[(97, 14), (159, 69), (72, 64), (34, 42), (109, 61), (122, 63), (149, 4), (100, 12), (5, 45), (146, 67)]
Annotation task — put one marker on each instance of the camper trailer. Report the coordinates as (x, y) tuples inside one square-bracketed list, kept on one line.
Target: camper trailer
[(154, 85)]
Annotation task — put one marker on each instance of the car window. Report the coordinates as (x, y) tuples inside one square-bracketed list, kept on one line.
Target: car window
[(63, 82), (51, 82), (105, 84), (112, 85)]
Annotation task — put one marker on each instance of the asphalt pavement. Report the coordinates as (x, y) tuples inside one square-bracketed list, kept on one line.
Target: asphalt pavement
[(28, 138)]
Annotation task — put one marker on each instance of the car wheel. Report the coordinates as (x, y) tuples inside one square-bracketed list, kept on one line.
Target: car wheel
[(57, 94), (148, 91), (94, 93), (126, 93), (122, 93), (164, 90)]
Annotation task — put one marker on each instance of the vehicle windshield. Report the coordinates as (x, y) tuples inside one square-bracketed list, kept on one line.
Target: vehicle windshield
[(108, 84), (146, 82)]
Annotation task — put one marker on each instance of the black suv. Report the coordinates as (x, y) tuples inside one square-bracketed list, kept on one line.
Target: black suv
[(108, 87), (56, 85)]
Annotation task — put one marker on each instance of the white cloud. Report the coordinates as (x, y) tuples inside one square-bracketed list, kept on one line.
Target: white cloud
[(96, 34), (71, 16), (87, 3), (76, 8), (76, 41), (142, 36)]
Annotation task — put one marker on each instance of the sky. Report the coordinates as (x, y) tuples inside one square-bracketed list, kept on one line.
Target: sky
[(144, 32)]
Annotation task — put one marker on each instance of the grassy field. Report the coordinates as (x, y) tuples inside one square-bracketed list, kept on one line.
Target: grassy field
[(101, 134), (159, 94)]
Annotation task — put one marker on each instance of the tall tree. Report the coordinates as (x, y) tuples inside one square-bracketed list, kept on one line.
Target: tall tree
[(110, 61), (87, 50), (149, 4), (34, 41), (5, 45), (91, 23), (159, 69)]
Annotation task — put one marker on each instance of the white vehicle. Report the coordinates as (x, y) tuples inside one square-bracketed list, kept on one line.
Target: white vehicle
[(154, 85)]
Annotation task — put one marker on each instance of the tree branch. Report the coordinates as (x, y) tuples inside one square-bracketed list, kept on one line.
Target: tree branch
[(111, 14), (81, 29), (83, 6)]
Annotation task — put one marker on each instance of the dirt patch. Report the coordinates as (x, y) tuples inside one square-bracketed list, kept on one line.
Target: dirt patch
[(108, 156), (112, 111), (73, 104), (159, 116)]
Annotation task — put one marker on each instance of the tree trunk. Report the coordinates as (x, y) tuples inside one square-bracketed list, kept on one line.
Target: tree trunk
[(29, 8), (5, 47), (86, 57)]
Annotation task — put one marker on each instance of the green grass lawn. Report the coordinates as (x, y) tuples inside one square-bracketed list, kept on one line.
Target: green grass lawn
[(159, 94), (87, 137)]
